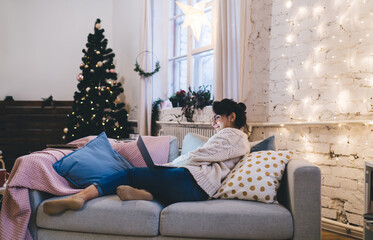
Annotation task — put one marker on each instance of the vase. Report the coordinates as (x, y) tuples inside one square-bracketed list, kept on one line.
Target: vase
[(175, 104), (182, 103)]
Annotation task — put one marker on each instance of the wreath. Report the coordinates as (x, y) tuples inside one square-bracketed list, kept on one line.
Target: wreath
[(141, 71)]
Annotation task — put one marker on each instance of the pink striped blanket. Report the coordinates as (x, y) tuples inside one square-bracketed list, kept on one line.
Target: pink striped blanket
[(35, 171)]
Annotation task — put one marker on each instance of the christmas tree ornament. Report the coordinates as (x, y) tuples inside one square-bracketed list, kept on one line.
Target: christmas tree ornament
[(112, 70), (99, 64), (87, 89), (82, 64), (63, 137), (86, 66), (92, 71), (80, 77), (65, 130), (98, 26), (98, 52)]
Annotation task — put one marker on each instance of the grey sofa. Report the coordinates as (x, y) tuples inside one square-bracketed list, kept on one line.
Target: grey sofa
[(298, 216)]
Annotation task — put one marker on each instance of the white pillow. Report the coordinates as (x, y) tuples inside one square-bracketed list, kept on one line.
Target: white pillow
[(256, 176), (192, 141)]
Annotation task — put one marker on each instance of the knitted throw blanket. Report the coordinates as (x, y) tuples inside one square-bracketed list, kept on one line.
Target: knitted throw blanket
[(35, 171)]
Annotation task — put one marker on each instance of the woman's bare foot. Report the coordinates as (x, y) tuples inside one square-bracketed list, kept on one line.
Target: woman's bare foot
[(125, 192), (55, 207)]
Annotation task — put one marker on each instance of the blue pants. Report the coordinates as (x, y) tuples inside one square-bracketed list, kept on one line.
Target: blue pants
[(168, 185)]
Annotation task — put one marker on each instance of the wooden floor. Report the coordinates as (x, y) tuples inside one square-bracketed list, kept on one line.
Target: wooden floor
[(326, 235)]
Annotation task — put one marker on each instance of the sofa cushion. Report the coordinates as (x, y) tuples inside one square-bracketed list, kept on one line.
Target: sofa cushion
[(96, 160), (192, 141), (106, 215), (256, 176), (224, 219), (174, 149), (266, 144)]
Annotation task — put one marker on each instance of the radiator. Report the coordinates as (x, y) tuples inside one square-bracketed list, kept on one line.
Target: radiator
[(179, 130)]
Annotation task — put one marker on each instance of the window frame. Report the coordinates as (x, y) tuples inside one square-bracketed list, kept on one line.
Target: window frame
[(173, 83)]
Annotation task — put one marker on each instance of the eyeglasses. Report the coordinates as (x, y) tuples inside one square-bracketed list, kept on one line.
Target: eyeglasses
[(215, 118)]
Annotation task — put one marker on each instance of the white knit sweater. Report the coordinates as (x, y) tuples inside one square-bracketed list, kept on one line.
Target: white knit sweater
[(212, 162)]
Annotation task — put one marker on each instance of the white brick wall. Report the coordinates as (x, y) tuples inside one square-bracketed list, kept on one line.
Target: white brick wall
[(323, 74)]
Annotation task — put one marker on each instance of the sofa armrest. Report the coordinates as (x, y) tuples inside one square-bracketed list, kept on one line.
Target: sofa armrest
[(303, 198), (36, 197)]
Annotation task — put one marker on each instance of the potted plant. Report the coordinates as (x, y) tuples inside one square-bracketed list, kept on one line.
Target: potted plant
[(178, 99), (196, 100), (188, 109), (202, 97)]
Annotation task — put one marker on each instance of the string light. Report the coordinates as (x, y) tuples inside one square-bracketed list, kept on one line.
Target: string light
[(335, 48), (290, 73), (290, 38), (302, 11), (318, 10), (289, 4)]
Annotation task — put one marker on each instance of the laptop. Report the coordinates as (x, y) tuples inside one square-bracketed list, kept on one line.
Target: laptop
[(145, 154)]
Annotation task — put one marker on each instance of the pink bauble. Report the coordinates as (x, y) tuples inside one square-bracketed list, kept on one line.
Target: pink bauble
[(98, 26), (99, 64), (80, 77), (112, 70)]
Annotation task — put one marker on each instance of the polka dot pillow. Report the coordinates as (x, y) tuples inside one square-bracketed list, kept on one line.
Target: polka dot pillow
[(256, 177)]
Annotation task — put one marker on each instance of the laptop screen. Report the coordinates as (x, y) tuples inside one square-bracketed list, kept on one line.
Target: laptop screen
[(144, 152)]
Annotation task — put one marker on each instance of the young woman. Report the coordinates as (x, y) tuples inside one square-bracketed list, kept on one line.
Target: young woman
[(195, 176)]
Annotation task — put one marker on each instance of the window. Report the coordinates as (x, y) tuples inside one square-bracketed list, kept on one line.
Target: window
[(191, 63)]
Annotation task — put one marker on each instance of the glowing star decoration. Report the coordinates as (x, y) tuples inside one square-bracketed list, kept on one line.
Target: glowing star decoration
[(194, 17)]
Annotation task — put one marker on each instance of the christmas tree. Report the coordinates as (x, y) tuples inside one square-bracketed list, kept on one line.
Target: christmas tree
[(96, 107)]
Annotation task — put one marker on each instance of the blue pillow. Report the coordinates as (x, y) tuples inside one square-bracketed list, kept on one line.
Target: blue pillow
[(96, 160), (265, 145)]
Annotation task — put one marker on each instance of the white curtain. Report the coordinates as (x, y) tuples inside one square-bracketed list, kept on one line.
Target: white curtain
[(145, 61), (232, 63)]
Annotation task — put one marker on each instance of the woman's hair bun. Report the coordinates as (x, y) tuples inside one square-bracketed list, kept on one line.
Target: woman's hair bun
[(242, 105)]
